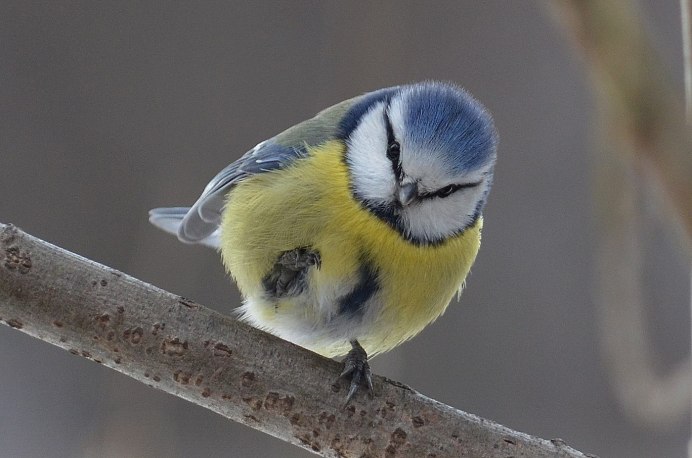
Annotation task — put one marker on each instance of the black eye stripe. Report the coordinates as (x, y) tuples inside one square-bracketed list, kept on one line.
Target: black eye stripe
[(390, 130), (393, 147), (448, 190)]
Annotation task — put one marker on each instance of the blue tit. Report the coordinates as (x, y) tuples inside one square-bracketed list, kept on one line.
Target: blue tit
[(350, 232)]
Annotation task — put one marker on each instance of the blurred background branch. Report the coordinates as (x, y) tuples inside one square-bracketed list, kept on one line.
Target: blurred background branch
[(686, 23), (644, 115), (646, 146), (228, 367), (686, 33)]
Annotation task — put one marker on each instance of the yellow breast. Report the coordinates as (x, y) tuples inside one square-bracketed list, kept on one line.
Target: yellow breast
[(309, 204)]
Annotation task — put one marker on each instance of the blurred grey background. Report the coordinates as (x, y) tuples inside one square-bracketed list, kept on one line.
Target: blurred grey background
[(108, 109)]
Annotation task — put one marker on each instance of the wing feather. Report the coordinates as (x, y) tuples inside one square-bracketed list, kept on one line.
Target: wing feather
[(204, 217)]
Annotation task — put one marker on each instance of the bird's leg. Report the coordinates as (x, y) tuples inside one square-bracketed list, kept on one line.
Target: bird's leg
[(356, 365), (288, 276)]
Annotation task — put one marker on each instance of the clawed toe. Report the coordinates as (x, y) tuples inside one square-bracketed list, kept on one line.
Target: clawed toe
[(300, 258), (356, 365)]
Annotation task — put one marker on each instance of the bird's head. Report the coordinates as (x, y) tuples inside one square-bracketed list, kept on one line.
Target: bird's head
[(421, 157)]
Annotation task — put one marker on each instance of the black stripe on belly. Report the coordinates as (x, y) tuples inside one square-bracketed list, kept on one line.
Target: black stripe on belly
[(367, 286)]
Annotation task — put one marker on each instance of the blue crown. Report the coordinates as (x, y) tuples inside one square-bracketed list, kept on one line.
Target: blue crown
[(448, 120)]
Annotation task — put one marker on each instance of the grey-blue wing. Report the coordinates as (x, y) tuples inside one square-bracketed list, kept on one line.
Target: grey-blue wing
[(204, 216), (199, 223)]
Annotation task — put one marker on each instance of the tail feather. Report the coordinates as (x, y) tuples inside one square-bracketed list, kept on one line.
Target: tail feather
[(170, 219)]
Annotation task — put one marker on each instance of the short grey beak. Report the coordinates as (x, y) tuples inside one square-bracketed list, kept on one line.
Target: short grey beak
[(407, 192)]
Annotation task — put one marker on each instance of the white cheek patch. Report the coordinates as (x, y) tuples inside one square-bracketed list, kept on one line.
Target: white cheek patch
[(396, 117), (371, 171), (438, 218)]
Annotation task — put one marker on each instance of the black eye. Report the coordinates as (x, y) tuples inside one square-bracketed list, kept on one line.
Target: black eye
[(446, 191), (393, 148), (394, 151)]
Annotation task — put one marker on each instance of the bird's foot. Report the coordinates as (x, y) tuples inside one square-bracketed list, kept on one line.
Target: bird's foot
[(288, 277), (356, 365), (300, 258)]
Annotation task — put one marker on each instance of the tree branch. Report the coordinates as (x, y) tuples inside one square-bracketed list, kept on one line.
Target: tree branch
[(178, 346), (644, 113)]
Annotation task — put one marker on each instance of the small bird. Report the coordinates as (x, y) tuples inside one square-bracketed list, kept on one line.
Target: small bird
[(350, 232)]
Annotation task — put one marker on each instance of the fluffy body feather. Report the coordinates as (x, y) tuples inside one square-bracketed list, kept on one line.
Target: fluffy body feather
[(310, 204)]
